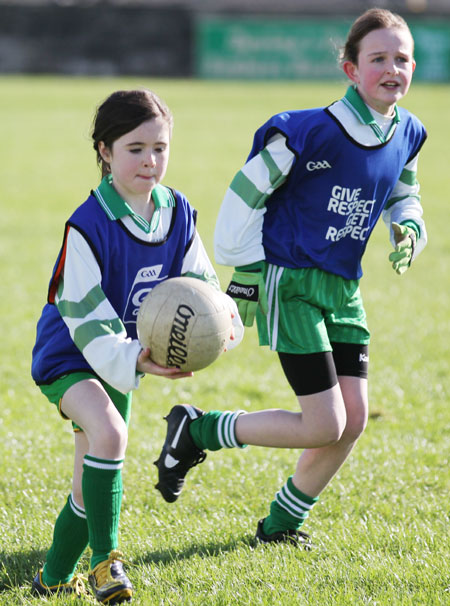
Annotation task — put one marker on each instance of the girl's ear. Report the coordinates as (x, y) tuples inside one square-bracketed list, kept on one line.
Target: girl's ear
[(351, 71), (104, 152)]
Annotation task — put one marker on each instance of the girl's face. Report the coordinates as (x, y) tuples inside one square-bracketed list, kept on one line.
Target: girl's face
[(138, 160), (385, 68)]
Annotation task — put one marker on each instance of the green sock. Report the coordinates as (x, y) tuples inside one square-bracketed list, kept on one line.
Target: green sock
[(102, 494), (215, 430), (289, 509), (70, 539)]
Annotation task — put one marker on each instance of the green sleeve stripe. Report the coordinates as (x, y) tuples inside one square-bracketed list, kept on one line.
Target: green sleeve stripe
[(408, 177), (206, 277), (274, 171), (72, 309), (393, 201), (413, 225), (276, 177), (250, 194), (245, 189), (89, 331)]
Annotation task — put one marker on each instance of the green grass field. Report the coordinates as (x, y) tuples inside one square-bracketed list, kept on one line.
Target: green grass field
[(381, 528)]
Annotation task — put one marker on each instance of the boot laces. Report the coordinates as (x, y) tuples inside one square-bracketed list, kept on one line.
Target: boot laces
[(103, 570), (77, 582)]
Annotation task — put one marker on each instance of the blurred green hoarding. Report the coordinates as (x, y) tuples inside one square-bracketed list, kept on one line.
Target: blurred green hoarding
[(269, 48)]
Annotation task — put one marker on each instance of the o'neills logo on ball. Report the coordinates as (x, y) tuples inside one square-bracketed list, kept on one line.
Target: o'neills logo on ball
[(177, 350)]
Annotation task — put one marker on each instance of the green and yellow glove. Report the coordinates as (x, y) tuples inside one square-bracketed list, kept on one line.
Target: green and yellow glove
[(248, 290), (405, 240)]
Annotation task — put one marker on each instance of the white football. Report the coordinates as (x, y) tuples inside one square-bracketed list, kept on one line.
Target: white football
[(185, 322)]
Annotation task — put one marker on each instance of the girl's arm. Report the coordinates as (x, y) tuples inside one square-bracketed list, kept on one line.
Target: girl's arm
[(93, 324), (238, 233), (404, 207)]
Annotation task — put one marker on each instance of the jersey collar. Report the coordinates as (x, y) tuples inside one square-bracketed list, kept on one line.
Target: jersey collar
[(115, 206), (353, 100)]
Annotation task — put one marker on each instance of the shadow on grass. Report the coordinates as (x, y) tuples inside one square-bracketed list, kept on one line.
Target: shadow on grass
[(206, 550), (19, 568)]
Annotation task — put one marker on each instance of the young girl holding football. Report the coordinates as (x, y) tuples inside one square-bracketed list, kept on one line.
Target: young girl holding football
[(131, 233), (295, 222)]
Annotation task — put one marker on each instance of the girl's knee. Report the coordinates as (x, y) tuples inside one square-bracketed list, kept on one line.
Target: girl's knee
[(332, 430), (325, 416), (111, 439), (354, 391), (356, 425), (357, 415)]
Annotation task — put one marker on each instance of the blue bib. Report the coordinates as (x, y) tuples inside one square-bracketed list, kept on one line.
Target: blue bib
[(130, 268), (323, 215)]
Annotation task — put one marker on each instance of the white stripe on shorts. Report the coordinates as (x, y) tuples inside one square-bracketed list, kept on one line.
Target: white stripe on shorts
[(272, 281)]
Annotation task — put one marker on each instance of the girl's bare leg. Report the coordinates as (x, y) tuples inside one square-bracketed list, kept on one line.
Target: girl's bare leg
[(317, 466)]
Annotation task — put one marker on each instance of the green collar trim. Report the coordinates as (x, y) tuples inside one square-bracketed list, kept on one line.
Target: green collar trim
[(353, 100), (115, 206)]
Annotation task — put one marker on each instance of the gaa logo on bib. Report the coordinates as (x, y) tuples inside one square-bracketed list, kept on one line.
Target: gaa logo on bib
[(317, 165), (146, 279)]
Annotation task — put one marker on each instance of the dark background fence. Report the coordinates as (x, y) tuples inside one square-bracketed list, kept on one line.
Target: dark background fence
[(204, 38), (96, 39)]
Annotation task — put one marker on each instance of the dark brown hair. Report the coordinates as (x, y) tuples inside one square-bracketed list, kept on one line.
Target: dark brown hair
[(122, 112), (374, 18)]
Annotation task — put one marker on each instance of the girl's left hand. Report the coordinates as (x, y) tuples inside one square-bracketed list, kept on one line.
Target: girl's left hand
[(146, 365)]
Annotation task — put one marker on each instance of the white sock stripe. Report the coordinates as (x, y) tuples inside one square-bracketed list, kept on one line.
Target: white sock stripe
[(226, 429), (291, 504), (77, 510), (226, 419), (294, 511), (232, 430), (233, 440), (295, 499), (112, 465), (220, 430)]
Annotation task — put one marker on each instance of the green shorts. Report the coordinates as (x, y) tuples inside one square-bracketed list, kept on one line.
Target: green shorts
[(309, 309), (55, 391)]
